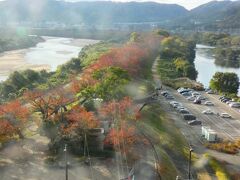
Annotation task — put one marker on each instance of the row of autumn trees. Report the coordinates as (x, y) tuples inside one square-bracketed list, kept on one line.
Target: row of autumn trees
[(67, 113)]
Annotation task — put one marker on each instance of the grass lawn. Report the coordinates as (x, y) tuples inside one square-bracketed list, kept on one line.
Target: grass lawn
[(168, 140)]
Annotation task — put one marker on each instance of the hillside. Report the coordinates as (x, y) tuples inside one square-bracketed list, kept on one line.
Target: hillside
[(94, 13), (213, 15)]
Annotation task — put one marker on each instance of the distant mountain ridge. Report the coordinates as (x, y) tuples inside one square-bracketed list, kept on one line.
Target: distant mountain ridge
[(88, 12), (215, 14)]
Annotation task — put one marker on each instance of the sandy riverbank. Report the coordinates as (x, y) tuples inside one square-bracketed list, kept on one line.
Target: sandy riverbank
[(15, 60), (82, 42)]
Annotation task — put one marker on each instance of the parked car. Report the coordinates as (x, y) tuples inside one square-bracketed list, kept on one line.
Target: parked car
[(186, 94), (195, 122), (210, 92), (235, 105), (189, 117), (173, 102), (221, 97), (208, 111), (179, 108), (164, 92), (225, 115), (185, 90), (169, 97), (201, 98), (197, 101), (176, 106), (195, 94), (180, 89), (225, 99), (207, 89), (208, 103), (184, 111), (191, 98), (230, 102)]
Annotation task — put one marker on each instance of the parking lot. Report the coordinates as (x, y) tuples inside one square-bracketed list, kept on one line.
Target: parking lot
[(226, 128)]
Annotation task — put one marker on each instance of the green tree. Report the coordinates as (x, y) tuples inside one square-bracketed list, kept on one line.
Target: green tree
[(185, 69), (134, 37), (31, 76), (110, 82), (18, 80), (190, 72), (225, 82), (162, 32)]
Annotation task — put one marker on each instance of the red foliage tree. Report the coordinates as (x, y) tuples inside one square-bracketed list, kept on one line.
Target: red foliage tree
[(119, 110), (128, 58), (13, 117), (124, 134), (49, 105), (80, 120)]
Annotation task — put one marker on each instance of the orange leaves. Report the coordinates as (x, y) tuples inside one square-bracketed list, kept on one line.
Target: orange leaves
[(13, 116), (80, 119), (128, 58), (14, 110), (124, 135), (6, 129), (49, 105), (121, 110)]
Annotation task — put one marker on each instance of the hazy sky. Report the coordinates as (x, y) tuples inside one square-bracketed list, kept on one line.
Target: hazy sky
[(189, 4)]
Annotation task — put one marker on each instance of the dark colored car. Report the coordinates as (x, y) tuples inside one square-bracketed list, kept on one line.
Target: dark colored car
[(221, 97), (189, 117), (225, 100), (197, 101), (184, 111)]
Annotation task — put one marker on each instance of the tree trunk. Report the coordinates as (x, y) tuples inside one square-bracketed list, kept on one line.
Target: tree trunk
[(20, 134)]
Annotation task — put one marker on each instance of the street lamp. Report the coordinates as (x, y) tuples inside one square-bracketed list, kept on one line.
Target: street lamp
[(66, 161), (189, 162)]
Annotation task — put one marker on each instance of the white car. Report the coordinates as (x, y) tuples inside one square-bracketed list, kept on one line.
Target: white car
[(230, 102), (180, 89), (175, 104), (191, 98), (210, 92), (208, 111), (225, 115), (209, 103), (201, 98), (179, 108), (234, 105), (195, 94)]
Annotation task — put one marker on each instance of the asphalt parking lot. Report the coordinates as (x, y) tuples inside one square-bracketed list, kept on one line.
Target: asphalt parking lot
[(226, 128)]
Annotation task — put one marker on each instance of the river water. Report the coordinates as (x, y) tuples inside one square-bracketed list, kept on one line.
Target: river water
[(204, 63), (45, 55)]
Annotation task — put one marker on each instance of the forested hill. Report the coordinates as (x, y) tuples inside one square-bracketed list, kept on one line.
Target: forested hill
[(215, 14), (100, 12), (11, 40)]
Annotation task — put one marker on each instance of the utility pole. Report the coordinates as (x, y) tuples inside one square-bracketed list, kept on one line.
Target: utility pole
[(189, 162), (66, 161)]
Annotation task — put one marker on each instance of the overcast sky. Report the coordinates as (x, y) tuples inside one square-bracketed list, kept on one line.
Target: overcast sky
[(189, 4)]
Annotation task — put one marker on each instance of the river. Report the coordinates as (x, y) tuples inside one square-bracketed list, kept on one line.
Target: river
[(204, 63), (45, 55)]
